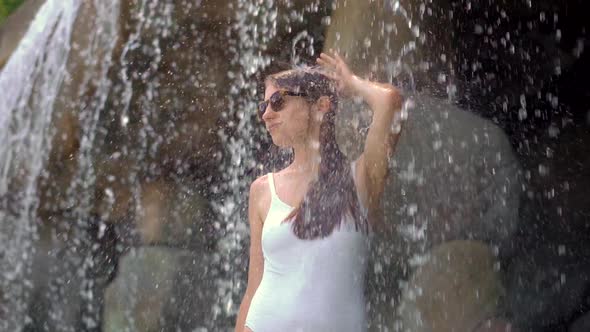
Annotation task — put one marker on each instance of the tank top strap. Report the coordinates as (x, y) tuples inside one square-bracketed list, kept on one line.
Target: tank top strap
[(271, 184)]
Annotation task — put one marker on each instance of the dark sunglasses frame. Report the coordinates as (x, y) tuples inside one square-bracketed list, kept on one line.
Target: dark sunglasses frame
[(277, 101)]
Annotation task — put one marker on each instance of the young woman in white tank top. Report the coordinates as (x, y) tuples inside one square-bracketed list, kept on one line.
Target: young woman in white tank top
[(310, 222)]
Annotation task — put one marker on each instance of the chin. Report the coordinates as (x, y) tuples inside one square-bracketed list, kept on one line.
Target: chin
[(281, 142)]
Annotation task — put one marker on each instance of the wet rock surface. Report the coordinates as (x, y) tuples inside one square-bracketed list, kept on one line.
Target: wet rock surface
[(160, 289), (455, 289)]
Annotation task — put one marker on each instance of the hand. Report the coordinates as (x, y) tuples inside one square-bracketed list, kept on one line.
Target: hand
[(338, 70)]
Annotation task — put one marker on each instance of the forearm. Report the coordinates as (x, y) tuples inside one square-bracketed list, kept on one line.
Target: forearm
[(383, 99), (242, 313), (385, 102)]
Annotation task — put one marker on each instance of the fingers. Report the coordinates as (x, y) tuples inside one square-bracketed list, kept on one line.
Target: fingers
[(326, 61), (332, 76), (327, 58), (322, 62), (334, 62)]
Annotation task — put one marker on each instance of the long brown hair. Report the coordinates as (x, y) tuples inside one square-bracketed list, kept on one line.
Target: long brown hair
[(333, 195)]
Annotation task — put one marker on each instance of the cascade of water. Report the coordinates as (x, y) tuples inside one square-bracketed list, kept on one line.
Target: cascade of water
[(80, 194), (33, 79), (29, 83), (255, 26), (139, 86)]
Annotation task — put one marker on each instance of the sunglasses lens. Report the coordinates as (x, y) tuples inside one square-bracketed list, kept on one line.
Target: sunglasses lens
[(277, 101)]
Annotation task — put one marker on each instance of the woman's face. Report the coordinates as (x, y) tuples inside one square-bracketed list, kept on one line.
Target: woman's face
[(290, 125)]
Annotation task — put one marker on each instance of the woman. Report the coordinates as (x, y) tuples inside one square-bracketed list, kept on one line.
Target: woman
[(309, 222)]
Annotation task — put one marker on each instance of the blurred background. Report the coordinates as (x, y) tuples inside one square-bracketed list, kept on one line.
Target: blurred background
[(129, 139)]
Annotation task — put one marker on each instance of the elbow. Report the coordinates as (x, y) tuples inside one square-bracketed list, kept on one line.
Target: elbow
[(394, 97)]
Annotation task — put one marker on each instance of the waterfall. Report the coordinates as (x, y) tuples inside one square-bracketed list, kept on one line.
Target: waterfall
[(31, 83)]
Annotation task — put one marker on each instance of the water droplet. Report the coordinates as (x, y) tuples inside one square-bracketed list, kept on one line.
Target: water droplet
[(416, 31), (522, 114), (543, 170), (579, 49), (478, 29), (549, 152), (553, 131), (378, 268), (109, 192), (437, 144), (412, 209), (451, 91)]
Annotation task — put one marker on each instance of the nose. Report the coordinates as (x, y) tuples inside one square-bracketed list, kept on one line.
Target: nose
[(268, 113)]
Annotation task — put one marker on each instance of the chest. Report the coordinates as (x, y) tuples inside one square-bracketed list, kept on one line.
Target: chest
[(284, 251)]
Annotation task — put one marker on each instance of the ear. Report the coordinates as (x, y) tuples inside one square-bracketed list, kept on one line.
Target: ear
[(323, 104)]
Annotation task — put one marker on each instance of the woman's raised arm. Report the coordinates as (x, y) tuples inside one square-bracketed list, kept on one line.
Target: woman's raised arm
[(385, 101)]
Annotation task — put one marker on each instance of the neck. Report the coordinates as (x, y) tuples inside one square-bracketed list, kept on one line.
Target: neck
[(306, 160), (307, 157)]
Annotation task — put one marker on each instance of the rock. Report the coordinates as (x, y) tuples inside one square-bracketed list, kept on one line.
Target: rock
[(548, 278), (159, 289), (456, 288), (74, 104), (581, 324), (454, 176), (67, 279), (171, 214), (495, 325), (548, 284), (114, 191), (366, 46), (55, 301), (174, 216)]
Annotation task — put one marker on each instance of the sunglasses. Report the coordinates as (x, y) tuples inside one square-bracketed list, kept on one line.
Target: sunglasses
[(277, 101)]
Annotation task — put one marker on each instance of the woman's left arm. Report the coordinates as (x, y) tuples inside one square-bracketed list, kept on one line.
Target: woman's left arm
[(385, 101)]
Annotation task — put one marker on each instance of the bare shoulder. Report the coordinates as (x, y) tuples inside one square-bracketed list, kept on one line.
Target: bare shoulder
[(258, 186), (260, 196)]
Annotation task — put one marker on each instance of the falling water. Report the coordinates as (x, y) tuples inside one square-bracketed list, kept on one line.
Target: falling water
[(255, 26), (29, 83), (32, 80)]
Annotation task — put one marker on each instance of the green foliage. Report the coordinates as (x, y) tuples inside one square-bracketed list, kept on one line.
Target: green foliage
[(7, 7)]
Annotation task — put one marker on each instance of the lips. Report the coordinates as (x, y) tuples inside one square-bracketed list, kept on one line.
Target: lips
[(272, 126)]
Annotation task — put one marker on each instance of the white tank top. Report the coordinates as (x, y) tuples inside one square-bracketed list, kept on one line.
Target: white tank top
[(309, 285)]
